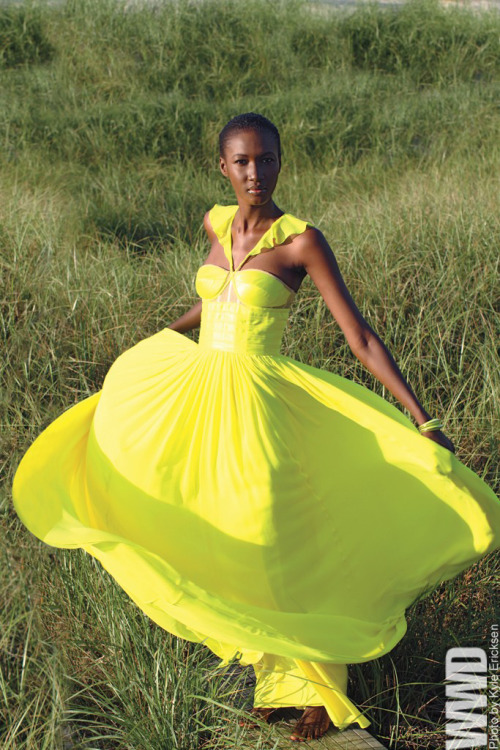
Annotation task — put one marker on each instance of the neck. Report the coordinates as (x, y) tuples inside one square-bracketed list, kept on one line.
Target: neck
[(249, 218)]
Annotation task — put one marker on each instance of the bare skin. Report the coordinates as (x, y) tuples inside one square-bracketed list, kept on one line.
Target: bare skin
[(313, 723), (251, 161)]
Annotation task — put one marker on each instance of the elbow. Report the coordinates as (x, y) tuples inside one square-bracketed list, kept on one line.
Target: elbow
[(360, 343)]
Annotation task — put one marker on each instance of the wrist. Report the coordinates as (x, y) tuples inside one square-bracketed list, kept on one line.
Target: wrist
[(422, 416)]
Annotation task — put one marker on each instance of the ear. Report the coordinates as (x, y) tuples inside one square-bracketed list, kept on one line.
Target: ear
[(222, 166)]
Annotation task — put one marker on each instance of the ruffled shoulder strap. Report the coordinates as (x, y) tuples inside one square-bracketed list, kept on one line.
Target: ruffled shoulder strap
[(286, 226), (221, 219)]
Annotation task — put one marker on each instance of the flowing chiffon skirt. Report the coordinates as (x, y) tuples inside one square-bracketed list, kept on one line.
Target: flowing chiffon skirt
[(255, 503)]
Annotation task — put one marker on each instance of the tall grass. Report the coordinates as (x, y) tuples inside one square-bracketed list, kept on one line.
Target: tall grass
[(109, 118)]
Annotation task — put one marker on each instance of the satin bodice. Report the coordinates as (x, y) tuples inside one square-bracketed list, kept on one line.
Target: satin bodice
[(249, 286), (244, 309), (253, 321)]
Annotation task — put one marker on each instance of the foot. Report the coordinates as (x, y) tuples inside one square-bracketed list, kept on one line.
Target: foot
[(313, 723), (262, 713)]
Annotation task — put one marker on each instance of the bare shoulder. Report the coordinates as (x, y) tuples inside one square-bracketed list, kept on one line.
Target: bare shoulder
[(310, 246)]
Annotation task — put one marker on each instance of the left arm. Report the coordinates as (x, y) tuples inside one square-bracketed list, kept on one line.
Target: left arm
[(313, 252)]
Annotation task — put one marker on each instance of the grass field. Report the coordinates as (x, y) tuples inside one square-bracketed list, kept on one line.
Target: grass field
[(109, 117)]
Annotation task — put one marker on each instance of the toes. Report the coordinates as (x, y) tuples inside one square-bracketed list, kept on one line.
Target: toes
[(297, 733), (309, 730), (300, 733)]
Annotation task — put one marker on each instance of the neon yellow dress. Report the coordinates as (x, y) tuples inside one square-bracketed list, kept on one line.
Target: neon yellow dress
[(280, 513)]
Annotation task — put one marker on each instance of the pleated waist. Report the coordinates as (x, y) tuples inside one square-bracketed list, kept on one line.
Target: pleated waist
[(235, 327)]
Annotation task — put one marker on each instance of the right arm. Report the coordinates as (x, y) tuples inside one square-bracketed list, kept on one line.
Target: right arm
[(189, 320), (192, 318)]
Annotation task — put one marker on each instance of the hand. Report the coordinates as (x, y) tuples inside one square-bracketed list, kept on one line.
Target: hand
[(438, 437)]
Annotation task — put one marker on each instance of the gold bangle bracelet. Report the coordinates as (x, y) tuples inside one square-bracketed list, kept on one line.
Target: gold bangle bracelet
[(431, 424)]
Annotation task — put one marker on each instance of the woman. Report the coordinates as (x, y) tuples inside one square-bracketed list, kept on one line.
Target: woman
[(279, 513)]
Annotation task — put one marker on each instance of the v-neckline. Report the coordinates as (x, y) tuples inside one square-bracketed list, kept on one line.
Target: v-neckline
[(230, 242)]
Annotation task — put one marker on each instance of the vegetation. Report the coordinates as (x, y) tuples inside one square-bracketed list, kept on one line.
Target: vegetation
[(109, 118)]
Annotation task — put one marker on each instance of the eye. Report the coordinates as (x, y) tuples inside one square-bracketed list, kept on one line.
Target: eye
[(240, 161), (268, 158)]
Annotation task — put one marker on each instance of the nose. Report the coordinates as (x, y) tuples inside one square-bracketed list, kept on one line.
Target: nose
[(254, 172)]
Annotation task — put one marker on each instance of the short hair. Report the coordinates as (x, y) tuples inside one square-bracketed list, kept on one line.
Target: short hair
[(248, 121)]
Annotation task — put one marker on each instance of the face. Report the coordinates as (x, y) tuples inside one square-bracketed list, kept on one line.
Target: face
[(252, 165)]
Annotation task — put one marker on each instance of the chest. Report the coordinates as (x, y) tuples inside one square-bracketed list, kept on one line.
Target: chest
[(277, 260)]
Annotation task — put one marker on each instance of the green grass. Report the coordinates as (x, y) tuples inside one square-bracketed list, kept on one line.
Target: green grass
[(109, 121)]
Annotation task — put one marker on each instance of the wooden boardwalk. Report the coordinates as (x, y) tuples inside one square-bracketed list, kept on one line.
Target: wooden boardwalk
[(276, 736)]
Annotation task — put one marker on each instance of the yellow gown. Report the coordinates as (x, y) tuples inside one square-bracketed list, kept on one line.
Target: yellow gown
[(282, 514)]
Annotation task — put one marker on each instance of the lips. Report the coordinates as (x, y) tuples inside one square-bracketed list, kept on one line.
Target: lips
[(257, 190)]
